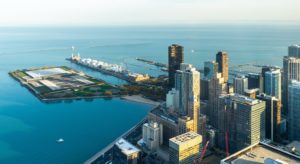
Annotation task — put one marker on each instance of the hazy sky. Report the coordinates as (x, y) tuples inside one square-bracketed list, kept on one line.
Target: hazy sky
[(144, 12)]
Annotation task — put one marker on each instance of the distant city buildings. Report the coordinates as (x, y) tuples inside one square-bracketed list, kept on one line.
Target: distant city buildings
[(294, 110), (273, 117), (211, 68), (222, 59), (152, 135), (185, 148), (240, 84), (241, 122), (294, 51), (273, 83), (176, 57)]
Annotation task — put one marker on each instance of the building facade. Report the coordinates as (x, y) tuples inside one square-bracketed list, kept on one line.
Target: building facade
[(152, 135), (217, 87), (240, 84), (241, 122), (273, 117), (188, 85), (273, 83), (211, 68), (254, 81), (222, 59), (294, 51), (185, 148), (176, 57), (291, 71), (294, 111)]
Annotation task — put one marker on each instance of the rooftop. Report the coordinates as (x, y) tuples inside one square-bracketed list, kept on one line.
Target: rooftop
[(126, 147), (184, 137), (260, 152), (159, 111), (46, 72), (244, 99)]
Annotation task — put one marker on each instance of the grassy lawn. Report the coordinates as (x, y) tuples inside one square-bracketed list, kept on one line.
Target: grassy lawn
[(65, 68), (20, 74)]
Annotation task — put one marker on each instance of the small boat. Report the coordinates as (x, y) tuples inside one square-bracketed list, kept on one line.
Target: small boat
[(60, 140)]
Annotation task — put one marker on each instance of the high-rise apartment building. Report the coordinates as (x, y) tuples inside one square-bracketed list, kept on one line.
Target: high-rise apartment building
[(294, 51), (291, 71), (273, 83), (241, 122), (184, 100), (188, 85), (185, 148), (240, 84), (217, 87), (273, 116), (211, 68), (152, 135), (176, 57), (222, 60), (294, 111)]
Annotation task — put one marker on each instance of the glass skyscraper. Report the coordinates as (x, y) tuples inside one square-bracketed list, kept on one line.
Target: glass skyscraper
[(294, 111), (273, 83)]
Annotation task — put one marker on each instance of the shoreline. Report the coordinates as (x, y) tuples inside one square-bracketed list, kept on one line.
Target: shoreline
[(140, 99)]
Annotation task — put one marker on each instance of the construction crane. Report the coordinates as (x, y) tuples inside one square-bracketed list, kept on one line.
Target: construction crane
[(203, 153)]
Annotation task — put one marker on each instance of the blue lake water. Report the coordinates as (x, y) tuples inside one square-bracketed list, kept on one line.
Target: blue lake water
[(29, 128)]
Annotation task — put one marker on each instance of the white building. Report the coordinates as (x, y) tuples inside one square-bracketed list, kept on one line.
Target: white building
[(152, 135), (172, 100)]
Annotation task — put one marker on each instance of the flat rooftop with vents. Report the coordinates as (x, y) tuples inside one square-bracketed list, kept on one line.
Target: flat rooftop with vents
[(262, 153)]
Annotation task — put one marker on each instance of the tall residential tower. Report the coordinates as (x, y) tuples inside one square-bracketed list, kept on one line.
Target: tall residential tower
[(222, 60), (176, 57)]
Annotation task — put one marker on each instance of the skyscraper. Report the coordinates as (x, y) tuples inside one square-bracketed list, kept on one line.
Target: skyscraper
[(241, 121), (273, 116), (294, 111), (184, 117), (185, 148), (176, 57), (240, 84), (210, 69), (273, 83), (217, 87), (188, 85), (222, 60), (294, 51), (291, 71), (255, 81)]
